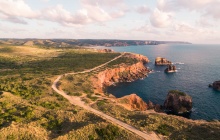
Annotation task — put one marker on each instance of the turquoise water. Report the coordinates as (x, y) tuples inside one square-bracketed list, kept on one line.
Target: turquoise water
[(198, 66)]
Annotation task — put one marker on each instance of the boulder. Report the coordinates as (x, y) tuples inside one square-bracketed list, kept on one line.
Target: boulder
[(178, 102), (159, 61), (215, 85)]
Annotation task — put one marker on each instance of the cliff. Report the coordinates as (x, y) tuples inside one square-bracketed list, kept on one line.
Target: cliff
[(132, 102), (122, 73), (138, 57)]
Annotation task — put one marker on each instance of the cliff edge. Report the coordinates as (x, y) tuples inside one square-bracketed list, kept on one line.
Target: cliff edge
[(122, 73)]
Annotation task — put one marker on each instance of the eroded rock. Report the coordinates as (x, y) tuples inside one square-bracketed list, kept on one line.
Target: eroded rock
[(178, 102), (159, 61)]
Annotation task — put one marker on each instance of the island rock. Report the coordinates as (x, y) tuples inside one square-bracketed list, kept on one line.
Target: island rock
[(215, 85), (170, 68), (159, 61), (178, 102)]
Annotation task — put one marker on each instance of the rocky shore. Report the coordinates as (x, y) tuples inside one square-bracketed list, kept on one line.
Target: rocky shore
[(176, 102)]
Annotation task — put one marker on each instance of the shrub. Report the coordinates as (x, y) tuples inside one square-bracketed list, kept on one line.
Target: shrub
[(177, 92), (164, 129), (111, 132)]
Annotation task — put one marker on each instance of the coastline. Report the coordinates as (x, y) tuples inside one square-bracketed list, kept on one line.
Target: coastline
[(101, 88)]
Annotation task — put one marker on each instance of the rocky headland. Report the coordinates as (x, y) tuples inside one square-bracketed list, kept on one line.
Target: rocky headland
[(159, 61), (215, 85), (123, 72), (138, 57)]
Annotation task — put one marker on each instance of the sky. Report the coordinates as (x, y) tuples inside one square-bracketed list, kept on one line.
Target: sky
[(195, 21)]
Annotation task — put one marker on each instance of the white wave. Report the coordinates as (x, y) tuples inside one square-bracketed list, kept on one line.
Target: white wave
[(178, 63)]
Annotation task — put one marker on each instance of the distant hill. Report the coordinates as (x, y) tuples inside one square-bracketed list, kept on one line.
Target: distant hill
[(84, 42)]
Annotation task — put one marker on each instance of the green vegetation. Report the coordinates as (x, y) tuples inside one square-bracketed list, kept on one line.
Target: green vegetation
[(33, 110), (164, 129), (177, 92), (170, 126), (109, 133), (125, 60)]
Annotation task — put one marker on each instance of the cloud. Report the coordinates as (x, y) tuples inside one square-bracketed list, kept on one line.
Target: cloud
[(17, 8), (203, 7), (106, 3), (17, 11), (60, 15), (213, 10), (99, 10), (160, 19), (143, 9)]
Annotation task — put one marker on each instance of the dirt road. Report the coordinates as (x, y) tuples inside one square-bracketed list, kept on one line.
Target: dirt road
[(77, 101)]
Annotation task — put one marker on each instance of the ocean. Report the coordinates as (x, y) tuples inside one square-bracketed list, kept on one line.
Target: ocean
[(197, 65)]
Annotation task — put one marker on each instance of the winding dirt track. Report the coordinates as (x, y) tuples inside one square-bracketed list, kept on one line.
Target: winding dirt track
[(77, 101)]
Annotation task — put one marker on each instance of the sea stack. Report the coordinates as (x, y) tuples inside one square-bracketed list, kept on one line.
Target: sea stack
[(215, 85), (170, 68), (159, 61), (178, 102)]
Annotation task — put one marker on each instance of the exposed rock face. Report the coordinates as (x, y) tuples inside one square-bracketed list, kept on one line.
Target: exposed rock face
[(178, 102), (124, 73), (170, 68), (133, 102), (139, 57), (159, 61), (215, 85)]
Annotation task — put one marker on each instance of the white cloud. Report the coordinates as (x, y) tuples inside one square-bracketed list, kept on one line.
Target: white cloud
[(17, 11), (14, 10), (60, 15), (203, 7), (106, 3), (160, 19)]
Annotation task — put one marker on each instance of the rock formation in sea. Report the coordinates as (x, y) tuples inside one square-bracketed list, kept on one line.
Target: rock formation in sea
[(178, 102), (159, 61), (170, 68), (215, 85), (133, 102)]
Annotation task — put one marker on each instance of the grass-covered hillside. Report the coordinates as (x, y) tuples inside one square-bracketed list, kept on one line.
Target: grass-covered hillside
[(29, 109)]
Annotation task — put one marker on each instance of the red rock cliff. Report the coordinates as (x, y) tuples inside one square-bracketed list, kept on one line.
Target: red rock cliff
[(133, 102)]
